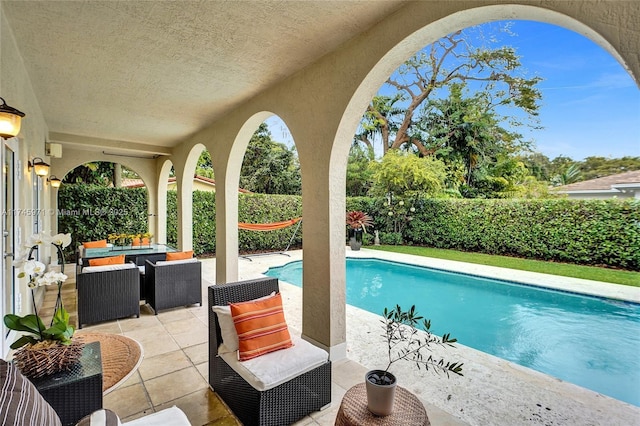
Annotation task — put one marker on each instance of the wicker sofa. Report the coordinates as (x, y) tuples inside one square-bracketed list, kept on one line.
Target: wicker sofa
[(108, 293), (283, 404), (173, 283)]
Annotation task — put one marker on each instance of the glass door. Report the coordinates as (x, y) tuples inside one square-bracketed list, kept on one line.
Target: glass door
[(7, 156)]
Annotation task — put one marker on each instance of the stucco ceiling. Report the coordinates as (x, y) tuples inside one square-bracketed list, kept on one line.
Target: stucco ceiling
[(154, 72)]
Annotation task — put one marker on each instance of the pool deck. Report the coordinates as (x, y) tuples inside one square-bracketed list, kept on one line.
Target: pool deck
[(493, 391)]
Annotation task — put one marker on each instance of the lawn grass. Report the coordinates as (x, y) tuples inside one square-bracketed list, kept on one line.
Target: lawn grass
[(616, 276)]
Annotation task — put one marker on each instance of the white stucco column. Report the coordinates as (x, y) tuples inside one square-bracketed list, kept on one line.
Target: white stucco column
[(185, 212), (226, 229)]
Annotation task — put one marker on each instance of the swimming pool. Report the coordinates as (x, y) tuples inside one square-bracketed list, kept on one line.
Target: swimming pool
[(585, 340)]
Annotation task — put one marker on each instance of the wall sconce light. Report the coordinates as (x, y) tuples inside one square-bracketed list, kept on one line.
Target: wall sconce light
[(41, 168), (10, 120), (54, 181)]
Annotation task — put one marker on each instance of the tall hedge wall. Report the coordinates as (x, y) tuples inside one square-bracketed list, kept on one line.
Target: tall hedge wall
[(252, 208), (591, 232), (92, 212)]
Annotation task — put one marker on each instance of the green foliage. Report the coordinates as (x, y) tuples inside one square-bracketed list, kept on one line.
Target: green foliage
[(262, 208), (406, 343), (270, 167), (204, 167), (406, 175), (91, 212), (60, 329), (358, 171), (589, 232)]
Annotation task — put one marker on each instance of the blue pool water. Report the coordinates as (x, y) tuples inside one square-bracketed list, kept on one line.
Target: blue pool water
[(589, 341)]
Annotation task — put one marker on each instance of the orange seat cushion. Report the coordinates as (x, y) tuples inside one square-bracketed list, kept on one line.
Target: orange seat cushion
[(95, 244), (261, 327), (180, 255), (113, 260)]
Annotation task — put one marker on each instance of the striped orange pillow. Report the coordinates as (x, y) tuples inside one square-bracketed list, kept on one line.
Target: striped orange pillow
[(261, 327)]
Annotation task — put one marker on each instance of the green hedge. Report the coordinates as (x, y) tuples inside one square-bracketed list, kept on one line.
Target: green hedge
[(590, 232), (91, 212), (253, 208)]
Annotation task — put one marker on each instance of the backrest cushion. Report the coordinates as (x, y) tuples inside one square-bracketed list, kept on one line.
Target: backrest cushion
[(227, 327), (179, 255), (261, 327), (20, 402), (176, 262), (95, 244), (105, 268), (112, 260)]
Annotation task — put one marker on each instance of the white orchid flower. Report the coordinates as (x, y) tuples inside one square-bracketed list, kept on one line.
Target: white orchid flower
[(20, 258), (62, 240), (37, 239), (33, 267)]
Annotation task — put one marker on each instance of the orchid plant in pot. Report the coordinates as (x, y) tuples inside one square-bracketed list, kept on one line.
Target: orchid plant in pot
[(42, 350), (405, 342)]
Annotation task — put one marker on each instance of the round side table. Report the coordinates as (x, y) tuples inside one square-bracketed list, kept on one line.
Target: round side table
[(407, 410)]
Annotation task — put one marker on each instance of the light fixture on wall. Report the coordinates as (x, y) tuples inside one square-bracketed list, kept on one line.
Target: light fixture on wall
[(41, 168), (10, 119), (54, 181)]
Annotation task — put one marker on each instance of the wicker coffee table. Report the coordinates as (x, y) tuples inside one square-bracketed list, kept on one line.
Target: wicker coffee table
[(407, 410)]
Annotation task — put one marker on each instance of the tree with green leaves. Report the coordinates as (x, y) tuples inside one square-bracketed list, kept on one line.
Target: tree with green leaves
[(359, 174), (270, 167), (204, 167), (406, 175), (495, 72)]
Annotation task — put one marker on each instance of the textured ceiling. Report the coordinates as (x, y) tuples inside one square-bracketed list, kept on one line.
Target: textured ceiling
[(154, 72)]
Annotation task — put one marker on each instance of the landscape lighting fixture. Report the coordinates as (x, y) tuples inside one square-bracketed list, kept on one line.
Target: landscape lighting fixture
[(10, 120), (41, 168)]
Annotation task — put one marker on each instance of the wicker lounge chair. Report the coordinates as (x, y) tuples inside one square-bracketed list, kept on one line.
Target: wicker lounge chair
[(108, 295), (281, 405), (172, 284)]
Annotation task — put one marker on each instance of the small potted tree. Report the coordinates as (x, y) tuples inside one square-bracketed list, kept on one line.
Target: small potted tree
[(357, 222), (405, 342)]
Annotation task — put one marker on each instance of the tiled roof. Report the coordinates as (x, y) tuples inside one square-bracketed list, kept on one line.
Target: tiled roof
[(603, 183), (138, 183)]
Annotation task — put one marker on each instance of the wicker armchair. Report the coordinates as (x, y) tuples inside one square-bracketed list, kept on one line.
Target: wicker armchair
[(281, 405), (173, 284), (108, 295)]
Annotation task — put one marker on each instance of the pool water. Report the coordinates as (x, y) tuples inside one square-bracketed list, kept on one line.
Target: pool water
[(589, 341)]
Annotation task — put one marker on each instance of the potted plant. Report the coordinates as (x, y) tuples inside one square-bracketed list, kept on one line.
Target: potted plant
[(42, 350), (405, 342), (357, 222)]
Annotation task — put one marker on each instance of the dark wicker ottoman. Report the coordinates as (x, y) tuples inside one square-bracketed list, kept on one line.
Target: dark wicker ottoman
[(74, 394)]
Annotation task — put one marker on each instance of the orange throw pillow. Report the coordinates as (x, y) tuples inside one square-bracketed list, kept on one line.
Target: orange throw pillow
[(95, 244), (113, 260), (261, 327), (180, 255)]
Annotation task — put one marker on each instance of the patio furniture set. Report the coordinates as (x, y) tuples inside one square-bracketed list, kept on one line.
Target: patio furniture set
[(108, 291)]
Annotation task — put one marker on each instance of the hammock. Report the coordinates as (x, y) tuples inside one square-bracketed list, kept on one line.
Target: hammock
[(273, 226)]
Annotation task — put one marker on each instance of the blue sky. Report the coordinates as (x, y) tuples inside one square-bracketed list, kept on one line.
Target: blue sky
[(590, 103)]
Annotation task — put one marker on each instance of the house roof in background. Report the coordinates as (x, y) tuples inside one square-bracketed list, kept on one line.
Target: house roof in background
[(628, 180), (138, 183)]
